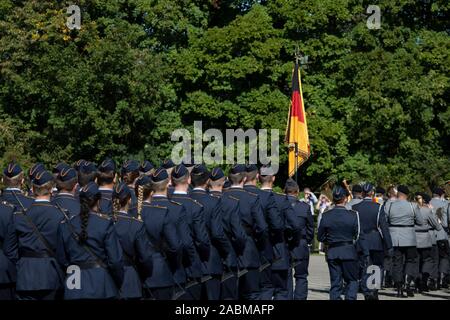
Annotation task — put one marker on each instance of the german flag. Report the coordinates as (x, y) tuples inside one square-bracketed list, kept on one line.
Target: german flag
[(297, 130)]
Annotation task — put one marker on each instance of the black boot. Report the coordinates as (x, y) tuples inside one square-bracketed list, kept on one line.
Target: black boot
[(388, 280), (424, 283), (444, 284), (409, 287), (400, 293), (432, 285)]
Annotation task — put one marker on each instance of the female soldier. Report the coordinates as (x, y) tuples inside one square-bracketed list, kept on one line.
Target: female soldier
[(89, 247), (160, 225), (137, 249), (424, 236)]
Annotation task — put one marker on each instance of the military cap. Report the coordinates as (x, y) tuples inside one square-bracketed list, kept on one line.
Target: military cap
[(238, 168), (226, 184), (380, 190), (13, 169), (59, 167), (438, 191), (146, 166), (108, 165), (167, 164), (42, 178), (403, 189), (66, 174), (339, 193), (357, 188), (37, 167), (142, 180), (90, 190), (159, 174), (88, 167), (130, 166), (216, 174), (367, 187), (78, 164), (121, 191), (251, 167), (426, 198), (291, 183), (199, 169), (180, 171)]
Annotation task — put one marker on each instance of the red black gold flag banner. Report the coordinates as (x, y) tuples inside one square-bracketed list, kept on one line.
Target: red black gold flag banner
[(297, 129)]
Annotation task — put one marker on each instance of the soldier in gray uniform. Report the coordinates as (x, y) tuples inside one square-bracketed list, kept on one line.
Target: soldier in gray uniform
[(402, 215), (440, 207), (357, 196), (391, 197), (425, 235)]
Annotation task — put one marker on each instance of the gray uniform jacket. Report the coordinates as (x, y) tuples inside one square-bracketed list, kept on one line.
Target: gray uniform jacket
[(352, 202), (425, 233), (402, 216)]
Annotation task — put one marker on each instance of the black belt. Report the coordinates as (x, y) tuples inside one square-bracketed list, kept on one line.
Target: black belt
[(24, 253), (424, 231), (401, 226), (340, 244), (89, 265)]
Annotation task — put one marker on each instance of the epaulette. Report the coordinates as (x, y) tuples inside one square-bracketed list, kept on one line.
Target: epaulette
[(234, 198), (100, 215), (353, 211), (215, 195), (251, 193), (128, 217), (7, 204), (174, 202), (155, 206), (197, 203)]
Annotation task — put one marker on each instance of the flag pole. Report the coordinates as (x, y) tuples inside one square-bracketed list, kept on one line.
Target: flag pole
[(297, 58)]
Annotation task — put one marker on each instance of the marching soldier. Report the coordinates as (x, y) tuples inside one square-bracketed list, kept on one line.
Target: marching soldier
[(32, 243), (13, 180), (56, 170), (7, 268), (301, 237), (36, 168), (169, 165), (254, 224), (160, 182), (229, 211), (280, 275), (356, 196), (402, 216), (392, 196), (220, 246), (66, 184), (269, 251), (161, 225), (88, 243), (196, 226), (425, 236), (106, 179), (338, 229), (137, 249), (374, 232), (87, 172)]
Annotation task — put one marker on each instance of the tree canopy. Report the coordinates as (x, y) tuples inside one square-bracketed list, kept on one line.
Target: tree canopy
[(376, 99)]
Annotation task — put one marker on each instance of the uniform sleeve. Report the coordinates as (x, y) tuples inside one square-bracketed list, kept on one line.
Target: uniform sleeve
[(293, 228), (274, 220), (114, 254), (174, 246), (145, 250), (322, 230), (259, 221), (200, 233), (433, 222), (189, 251), (218, 237), (384, 228), (309, 228), (238, 234), (10, 244), (61, 253), (418, 217)]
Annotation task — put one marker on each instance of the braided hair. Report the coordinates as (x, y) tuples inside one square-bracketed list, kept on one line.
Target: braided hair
[(143, 190), (87, 204), (120, 199)]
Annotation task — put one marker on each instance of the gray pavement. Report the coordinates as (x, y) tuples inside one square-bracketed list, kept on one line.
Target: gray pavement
[(319, 285)]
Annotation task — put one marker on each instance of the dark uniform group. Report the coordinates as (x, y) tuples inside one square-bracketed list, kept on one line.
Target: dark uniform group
[(373, 241), (138, 232)]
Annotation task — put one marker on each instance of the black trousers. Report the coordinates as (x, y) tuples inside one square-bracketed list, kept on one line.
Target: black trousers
[(7, 291), (404, 263), (164, 293), (443, 248), (426, 263), (38, 295), (211, 288), (229, 289)]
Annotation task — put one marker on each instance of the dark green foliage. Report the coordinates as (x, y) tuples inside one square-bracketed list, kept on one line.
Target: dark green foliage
[(376, 100)]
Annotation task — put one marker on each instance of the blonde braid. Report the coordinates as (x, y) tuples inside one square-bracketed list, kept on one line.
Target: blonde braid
[(116, 208), (140, 200)]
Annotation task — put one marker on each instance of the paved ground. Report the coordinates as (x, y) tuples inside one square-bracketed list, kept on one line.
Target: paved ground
[(319, 284)]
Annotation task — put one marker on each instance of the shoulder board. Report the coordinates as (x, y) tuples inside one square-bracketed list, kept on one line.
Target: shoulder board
[(174, 202), (7, 204), (155, 206), (100, 215), (234, 198), (129, 218), (215, 195), (353, 211), (196, 202), (252, 193)]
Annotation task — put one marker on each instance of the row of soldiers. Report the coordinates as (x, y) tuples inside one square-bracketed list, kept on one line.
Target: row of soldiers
[(172, 232), (406, 241)]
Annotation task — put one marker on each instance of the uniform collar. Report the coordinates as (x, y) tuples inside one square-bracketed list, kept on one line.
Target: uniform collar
[(161, 196), (180, 192), (13, 189), (41, 200), (104, 189), (236, 187), (268, 189), (64, 194), (198, 189)]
